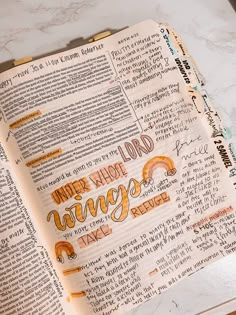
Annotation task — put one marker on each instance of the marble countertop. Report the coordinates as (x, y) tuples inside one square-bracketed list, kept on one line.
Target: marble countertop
[(208, 28)]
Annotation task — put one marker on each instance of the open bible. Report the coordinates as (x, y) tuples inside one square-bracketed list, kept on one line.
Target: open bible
[(117, 178)]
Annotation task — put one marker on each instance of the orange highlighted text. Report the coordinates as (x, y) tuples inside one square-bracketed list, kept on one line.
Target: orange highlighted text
[(44, 158), (25, 119)]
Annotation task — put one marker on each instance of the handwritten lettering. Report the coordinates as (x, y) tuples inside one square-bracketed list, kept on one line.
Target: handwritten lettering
[(115, 197), (94, 236), (108, 174), (202, 150), (67, 191), (181, 145)]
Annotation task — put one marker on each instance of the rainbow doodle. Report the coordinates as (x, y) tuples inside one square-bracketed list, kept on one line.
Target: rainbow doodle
[(66, 247), (154, 163)]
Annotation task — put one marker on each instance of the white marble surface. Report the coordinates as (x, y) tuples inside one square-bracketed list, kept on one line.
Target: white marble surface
[(32, 27)]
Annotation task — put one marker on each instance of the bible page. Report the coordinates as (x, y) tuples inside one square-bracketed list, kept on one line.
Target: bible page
[(132, 192), (29, 283)]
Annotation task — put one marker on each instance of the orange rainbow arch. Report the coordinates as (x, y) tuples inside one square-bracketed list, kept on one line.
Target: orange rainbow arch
[(158, 161), (66, 247)]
